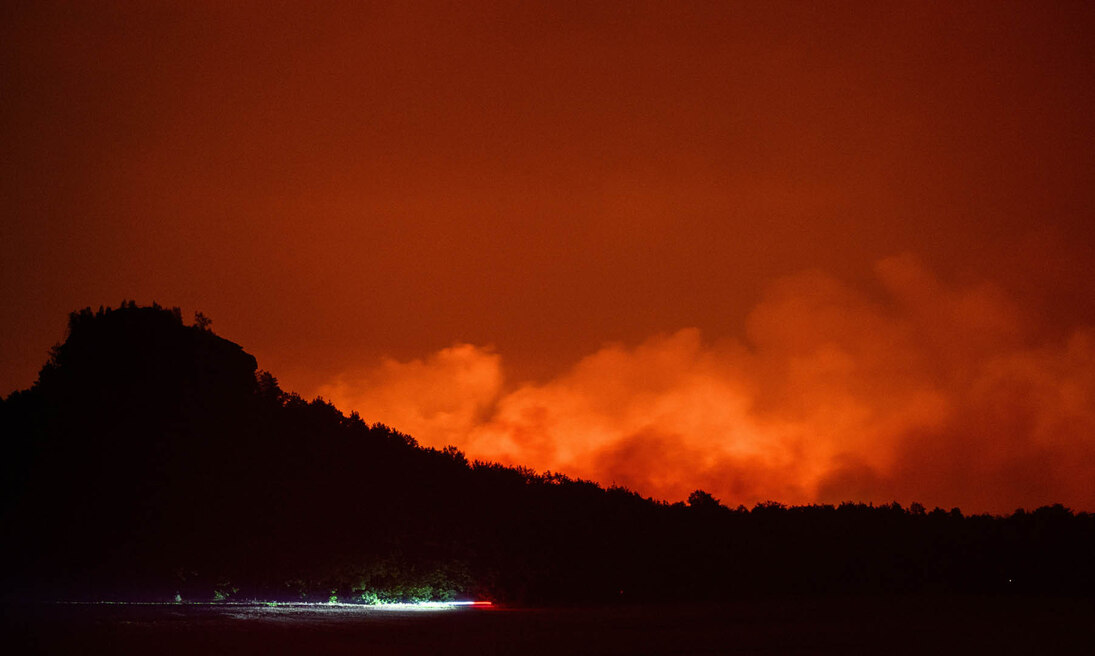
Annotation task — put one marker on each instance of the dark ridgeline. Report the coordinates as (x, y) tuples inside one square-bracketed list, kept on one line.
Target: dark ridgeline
[(153, 458)]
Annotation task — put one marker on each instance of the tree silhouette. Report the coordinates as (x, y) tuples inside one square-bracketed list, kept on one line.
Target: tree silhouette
[(201, 321)]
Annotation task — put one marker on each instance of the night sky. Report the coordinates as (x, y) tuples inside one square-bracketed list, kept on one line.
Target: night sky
[(795, 251)]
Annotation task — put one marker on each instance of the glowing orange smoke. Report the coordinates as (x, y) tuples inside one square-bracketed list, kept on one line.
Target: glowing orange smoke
[(924, 392)]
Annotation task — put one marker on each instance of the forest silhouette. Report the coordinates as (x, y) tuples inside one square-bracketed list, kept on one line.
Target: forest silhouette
[(153, 458)]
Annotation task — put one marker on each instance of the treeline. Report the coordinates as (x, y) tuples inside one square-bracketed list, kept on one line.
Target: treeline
[(153, 458)]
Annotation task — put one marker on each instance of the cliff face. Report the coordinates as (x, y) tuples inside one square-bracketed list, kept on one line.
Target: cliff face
[(143, 361), (122, 420)]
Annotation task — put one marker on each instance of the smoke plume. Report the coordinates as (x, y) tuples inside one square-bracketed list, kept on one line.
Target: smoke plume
[(917, 390)]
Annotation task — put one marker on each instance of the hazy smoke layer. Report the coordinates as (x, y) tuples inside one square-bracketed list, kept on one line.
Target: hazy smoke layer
[(921, 391)]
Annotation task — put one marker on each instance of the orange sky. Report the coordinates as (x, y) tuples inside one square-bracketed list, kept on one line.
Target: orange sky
[(800, 251)]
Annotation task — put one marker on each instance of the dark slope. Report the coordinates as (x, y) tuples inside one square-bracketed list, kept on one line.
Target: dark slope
[(151, 457)]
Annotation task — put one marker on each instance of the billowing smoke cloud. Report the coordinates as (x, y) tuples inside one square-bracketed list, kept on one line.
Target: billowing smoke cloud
[(917, 391), (439, 400)]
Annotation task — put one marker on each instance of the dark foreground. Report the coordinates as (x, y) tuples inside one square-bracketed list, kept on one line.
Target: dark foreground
[(770, 626)]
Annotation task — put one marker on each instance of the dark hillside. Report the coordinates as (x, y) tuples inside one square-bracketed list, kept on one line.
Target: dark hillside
[(153, 458)]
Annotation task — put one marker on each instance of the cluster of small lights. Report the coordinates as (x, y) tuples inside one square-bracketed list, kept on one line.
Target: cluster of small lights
[(415, 605), (430, 605)]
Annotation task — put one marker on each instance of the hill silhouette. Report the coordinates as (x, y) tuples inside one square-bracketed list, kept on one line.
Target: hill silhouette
[(153, 458)]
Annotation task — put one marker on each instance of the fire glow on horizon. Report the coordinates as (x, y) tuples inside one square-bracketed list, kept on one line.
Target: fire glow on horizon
[(653, 244), (938, 393)]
